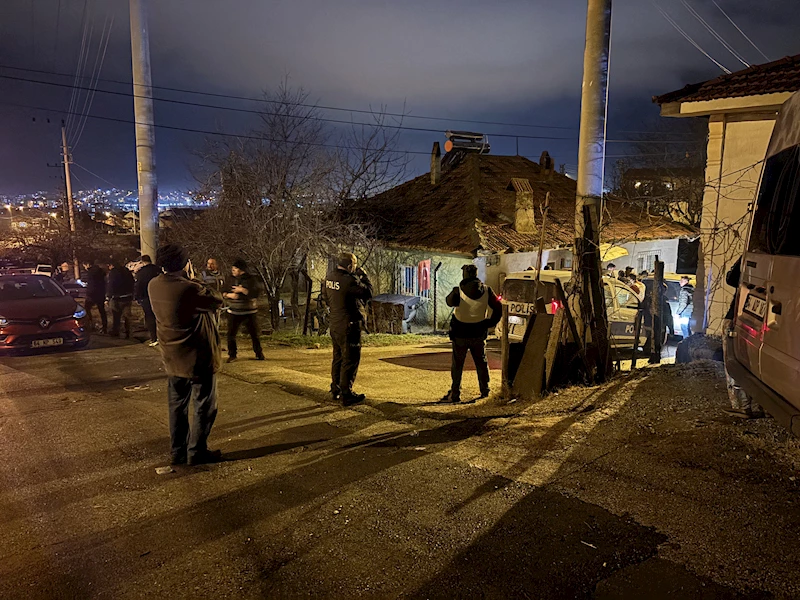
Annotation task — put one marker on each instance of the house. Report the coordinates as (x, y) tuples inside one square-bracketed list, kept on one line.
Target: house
[(486, 209), (741, 108)]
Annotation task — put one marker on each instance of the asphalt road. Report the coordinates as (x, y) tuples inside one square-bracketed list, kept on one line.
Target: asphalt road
[(313, 501)]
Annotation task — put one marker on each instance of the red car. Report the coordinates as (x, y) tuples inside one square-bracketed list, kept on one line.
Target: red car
[(36, 312)]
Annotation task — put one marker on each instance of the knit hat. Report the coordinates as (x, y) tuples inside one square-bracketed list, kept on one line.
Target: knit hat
[(171, 258), (240, 264)]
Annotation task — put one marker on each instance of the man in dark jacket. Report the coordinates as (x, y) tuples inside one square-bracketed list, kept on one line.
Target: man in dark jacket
[(345, 288), (243, 308), (212, 276), (685, 306), (146, 273), (119, 290), (96, 293), (189, 343), (477, 309)]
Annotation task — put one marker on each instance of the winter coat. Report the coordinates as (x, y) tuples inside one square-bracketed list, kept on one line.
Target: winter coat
[(186, 324), (345, 292), (685, 302), (120, 284), (96, 284), (245, 304), (143, 278)]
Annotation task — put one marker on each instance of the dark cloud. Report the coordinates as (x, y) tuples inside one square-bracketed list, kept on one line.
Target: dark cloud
[(509, 60)]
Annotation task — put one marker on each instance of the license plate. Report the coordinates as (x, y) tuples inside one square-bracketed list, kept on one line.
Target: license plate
[(755, 306), (515, 320), (47, 342)]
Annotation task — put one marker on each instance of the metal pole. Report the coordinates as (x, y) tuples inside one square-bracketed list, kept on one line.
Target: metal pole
[(70, 202), (145, 130), (435, 290)]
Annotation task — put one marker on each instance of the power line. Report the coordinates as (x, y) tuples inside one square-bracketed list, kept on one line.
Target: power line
[(94, 174), (688, 38), (713, 32), (98, 66), (336, 121), (752, 43), (320, 107)]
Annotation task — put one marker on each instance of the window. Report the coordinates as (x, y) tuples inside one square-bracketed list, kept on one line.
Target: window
[(776, 220), (565, 263), (408, 280), (623, 296), (646, 261)]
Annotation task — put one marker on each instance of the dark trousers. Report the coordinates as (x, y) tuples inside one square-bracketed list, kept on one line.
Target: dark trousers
[(202, 391), (101, 308), (251, 324), (120, 311), (149, 319), (346, 357), (476, 347)]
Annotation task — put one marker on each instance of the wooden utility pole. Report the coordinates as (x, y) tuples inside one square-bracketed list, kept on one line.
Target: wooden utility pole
[(657, 323), (70, 202), (145, 129), (591, 154)]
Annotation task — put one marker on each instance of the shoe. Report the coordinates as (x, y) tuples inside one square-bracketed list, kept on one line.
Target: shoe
[(231, 359), (153, 344), (336, 396), (260, 357), (351, 399), (449, 398), (177, 459), (205, 457), (485, 394)]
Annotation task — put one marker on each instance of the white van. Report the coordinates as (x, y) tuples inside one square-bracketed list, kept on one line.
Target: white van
[(519, 294), (763, 351)]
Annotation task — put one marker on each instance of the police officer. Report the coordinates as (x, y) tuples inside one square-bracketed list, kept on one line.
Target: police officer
[(345, 288), (476, 309)]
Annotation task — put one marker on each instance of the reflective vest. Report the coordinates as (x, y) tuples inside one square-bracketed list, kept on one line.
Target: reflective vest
[(472, 311)]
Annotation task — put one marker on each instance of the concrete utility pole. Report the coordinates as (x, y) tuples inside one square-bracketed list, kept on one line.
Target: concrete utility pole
[(145, 130), (591, 152), (70, 202)]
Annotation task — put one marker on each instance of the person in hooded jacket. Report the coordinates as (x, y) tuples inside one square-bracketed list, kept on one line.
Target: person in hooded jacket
[(476, 309)]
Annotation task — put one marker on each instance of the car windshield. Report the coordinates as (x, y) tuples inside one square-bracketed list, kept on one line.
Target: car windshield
[(25, 288), (524, 290)]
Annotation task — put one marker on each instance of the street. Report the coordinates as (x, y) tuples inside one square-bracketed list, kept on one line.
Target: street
[(318, 501)]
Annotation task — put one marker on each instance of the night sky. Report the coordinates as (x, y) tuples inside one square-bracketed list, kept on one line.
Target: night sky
[(515, 61)]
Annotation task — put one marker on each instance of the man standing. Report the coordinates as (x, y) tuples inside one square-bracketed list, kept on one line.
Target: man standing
[(243, 308), (469, 326), (685, 306), (64, 273), (146, 273), (189, 342), (345, 288), (212, 277), (96, 293), (119, 290)]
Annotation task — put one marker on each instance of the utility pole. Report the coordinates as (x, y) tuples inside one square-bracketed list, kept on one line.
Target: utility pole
[(145, 129), (591, 154), (70, 202)]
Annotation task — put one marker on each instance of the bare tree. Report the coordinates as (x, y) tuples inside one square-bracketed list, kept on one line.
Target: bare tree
[(282, 191)]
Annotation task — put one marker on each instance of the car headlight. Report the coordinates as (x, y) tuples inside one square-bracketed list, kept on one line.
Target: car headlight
[(3, 321), (79, 313)]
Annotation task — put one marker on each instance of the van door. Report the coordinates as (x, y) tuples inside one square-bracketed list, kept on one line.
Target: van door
[(768, 314)]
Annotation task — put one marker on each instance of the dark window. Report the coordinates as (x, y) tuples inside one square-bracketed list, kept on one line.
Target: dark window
[(776, 222), (524, 290), (25, 288)]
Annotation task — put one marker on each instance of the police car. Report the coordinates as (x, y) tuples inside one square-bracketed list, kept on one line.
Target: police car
[(519, 294)]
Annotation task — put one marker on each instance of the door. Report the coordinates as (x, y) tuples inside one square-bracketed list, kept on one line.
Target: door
[(621, 308), (768, 311)]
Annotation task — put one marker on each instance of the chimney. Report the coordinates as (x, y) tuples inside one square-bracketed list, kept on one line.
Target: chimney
[(547, 165), (523, 205), (436, 164)]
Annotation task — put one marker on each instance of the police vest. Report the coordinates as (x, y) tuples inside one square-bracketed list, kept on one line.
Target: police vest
[(472, 311)]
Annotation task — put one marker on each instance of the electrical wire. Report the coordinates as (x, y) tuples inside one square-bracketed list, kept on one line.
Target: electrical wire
[(320, 107), (336, 121), (688, 38), (94, 174), (98, 66), (73, 96), (744, 35), (713, 32)]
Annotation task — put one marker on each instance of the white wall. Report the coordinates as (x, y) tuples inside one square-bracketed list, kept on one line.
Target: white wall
[(737, 145), (666, 250)]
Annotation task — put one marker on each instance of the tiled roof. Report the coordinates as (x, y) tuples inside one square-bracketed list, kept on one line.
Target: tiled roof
[(471, 210), (778, 76)]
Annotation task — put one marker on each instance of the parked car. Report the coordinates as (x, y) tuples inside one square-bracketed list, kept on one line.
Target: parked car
[(36, 312), (519, 294), (763, 348), (43, 270)]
